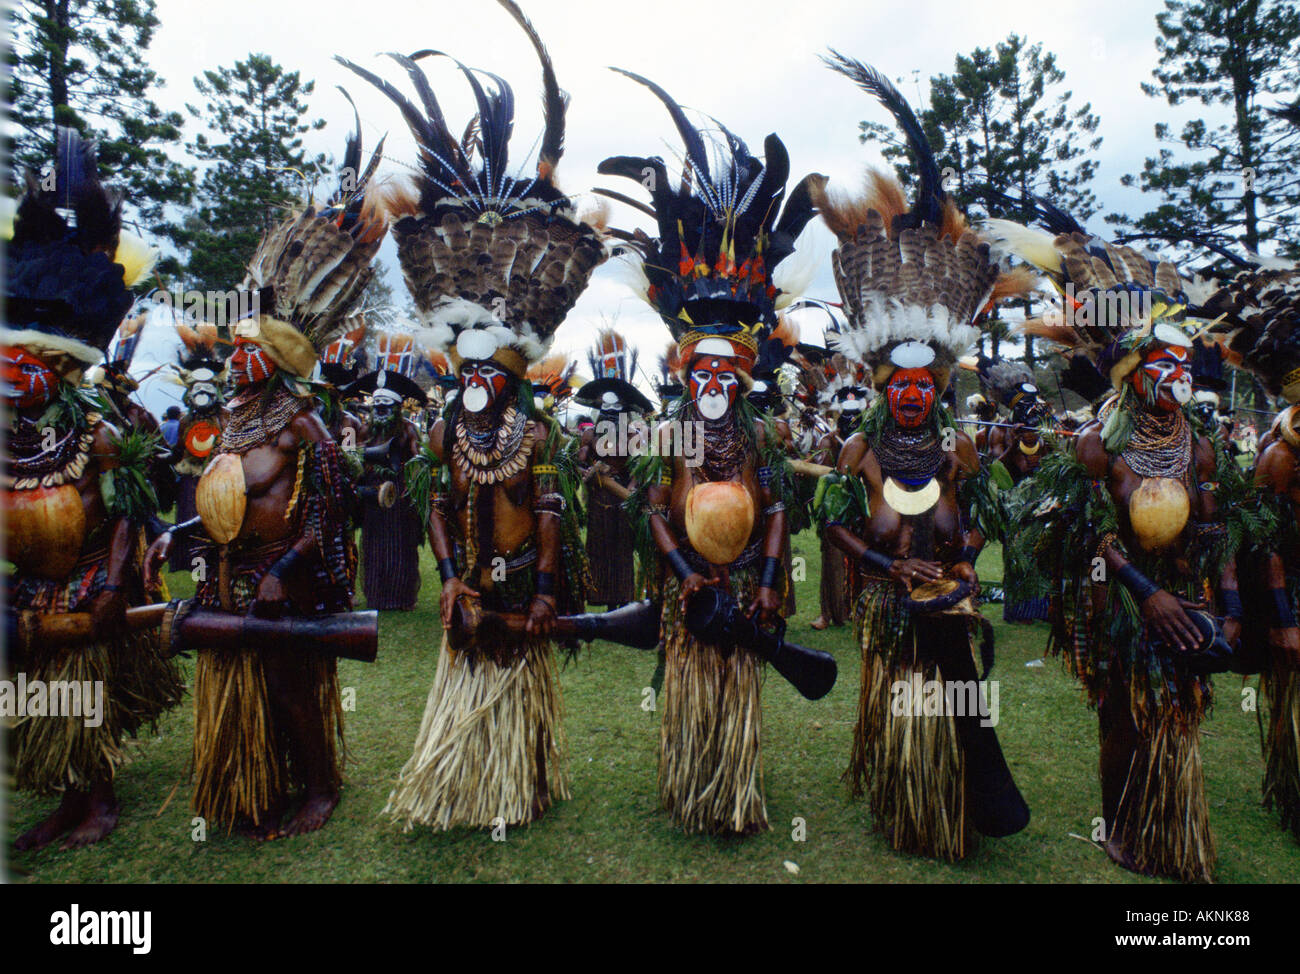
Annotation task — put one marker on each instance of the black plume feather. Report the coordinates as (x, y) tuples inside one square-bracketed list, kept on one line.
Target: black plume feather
[(555, 102), (928, 206)]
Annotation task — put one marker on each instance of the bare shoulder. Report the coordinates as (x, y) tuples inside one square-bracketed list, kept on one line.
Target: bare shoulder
[(1090, 451)]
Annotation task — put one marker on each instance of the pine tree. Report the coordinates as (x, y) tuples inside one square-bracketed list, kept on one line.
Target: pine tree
[(257, 166), (1232, 180), (81, 63)]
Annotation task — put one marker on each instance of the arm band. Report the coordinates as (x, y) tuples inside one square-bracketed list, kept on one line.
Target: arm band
[(678, 563), (1137, 583), (1282, 611), (545, 583), (285, 564), (446, 568), (874, 559), (771, 571), (1231, 600)]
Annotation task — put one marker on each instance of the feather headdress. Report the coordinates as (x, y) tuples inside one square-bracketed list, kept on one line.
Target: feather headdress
[(611, 357), (309, 272), (1114, 300), (344, 358), (915, 280), (1006, 381), (65, 289), (713, 272), (202, 350), (1260, 312), (494, 261)]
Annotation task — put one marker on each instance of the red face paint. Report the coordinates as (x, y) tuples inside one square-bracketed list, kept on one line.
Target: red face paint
[(910, 395), (1167, 371), (28, 382), (249, 363), (481, 384), (714, 385)]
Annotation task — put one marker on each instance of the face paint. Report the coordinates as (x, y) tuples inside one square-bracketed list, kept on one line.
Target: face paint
[(1165, 377), (26, 381), (482, 383), (714, 386), (249, 364), (911, 395)]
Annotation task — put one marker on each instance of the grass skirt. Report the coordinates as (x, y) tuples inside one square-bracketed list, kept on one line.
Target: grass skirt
[(490, 744), (910, 766), (51, 754), (1163, 819), (710, 762), (242, 770), (1281, 690)]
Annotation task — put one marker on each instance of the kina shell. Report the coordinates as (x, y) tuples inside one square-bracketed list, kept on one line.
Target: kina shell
[(221, 498), (1158, 511), (45, 528), (719, 520)]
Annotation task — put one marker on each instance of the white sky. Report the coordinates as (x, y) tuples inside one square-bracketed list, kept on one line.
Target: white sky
[(752, 65)]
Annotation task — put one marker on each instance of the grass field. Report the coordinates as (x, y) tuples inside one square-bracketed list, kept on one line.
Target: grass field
[(612, 830)]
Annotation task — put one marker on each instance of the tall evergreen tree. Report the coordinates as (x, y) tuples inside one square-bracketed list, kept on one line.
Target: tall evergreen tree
[(1231, 180), (81, 63), (257, 165)]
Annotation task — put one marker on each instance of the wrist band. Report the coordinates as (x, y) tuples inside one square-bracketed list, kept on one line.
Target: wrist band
[(446, 568), (1231, 600), (285, 564), (678, 563), (968, 554), (111, 588), (771, 570), (1283, 613), (874, 559), (1137, 583), (545, 583)]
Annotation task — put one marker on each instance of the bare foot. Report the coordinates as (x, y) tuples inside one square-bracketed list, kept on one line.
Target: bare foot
[(268, 828), (819, 623), (1122, 856), (100, 819), (315, 812), (71, 810)]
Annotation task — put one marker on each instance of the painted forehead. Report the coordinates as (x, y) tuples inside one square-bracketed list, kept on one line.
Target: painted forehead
[(1176, 353)]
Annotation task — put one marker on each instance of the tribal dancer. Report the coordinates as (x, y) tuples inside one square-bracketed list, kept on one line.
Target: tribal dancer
[(1135, 527), (717, 517), (911, 506), (390, 535), (1018, 447), (274, 505), (493, 262), (602, 455), (842, 400), (202, 371), (1262, 308), (76, 497)]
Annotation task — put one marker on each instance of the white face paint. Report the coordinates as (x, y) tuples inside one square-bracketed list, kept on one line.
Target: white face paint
[(475, 399), (1181, 390)]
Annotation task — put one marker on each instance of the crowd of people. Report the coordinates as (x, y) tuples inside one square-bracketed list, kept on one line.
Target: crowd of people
[(1155, 539)]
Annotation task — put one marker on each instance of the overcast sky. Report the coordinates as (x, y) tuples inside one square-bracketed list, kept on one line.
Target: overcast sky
[(752, 65)]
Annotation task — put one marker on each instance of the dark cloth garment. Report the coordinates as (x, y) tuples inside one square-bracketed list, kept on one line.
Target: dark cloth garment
[(610, 542), (834, 587), (183, 545), (390, 555)]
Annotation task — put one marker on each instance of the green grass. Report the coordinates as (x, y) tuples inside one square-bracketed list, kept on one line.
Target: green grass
[(612, 830)]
